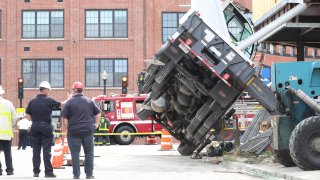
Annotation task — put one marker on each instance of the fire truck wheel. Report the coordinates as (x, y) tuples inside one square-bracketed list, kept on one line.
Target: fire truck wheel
[(124, 139), (185, 149)]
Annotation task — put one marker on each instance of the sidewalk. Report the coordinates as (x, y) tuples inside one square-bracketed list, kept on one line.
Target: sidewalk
[(272, 171)]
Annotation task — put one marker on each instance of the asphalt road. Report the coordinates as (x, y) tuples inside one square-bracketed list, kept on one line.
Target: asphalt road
[(133, 162)]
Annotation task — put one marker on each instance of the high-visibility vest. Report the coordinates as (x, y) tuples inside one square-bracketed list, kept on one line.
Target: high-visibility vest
[(103, 124), (7, 131)]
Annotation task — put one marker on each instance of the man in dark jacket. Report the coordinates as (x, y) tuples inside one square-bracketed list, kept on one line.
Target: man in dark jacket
[(39, 110), (82, 117)]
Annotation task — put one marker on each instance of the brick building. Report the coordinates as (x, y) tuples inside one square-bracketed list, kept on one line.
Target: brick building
[(64, 41)]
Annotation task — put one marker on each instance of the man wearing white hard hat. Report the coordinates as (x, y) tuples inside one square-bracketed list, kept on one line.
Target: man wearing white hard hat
[(8, 118), (39, 110)]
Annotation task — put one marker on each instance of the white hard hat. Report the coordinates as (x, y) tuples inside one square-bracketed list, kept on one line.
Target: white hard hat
[(45, 84)]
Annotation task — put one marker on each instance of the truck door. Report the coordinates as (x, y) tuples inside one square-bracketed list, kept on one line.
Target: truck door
[(109, 110)]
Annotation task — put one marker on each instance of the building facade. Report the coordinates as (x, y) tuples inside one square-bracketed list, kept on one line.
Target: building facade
[(63, 41)]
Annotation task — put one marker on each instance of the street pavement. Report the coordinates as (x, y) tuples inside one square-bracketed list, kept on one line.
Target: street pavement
[(275, 170), (132, 162)]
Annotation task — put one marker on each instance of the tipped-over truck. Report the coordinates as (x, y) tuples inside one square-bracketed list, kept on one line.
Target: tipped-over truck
[(198, 74)]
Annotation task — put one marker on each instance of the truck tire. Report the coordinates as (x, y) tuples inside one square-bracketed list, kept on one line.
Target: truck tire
[(185, 149), (158, 87), (152, 69), (164, 72), (147, 87), (305, 144), (124, 139), (208, 123), (144, 114), (283, 157), (204, 110), (156, 94)]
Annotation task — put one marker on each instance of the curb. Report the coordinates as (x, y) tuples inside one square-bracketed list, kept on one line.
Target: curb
[(256, 171)]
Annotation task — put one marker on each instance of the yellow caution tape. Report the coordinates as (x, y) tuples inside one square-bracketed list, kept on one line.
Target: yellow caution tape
[(113, 134)]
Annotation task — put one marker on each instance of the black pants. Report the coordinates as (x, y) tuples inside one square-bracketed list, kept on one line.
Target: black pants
[(105, 140), (41, 135), (6, 145), (23, 137)]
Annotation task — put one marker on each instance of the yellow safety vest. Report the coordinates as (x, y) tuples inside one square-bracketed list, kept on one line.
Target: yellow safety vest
[(9, 130), (103, 124)]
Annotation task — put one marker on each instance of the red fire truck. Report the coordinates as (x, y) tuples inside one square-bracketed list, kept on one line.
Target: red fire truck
[(122, 113)]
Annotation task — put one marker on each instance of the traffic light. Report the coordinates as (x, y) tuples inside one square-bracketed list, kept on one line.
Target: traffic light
[(124, 84), (20, 88)]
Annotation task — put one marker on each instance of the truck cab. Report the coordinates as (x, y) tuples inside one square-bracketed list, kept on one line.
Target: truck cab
[(122, 114)]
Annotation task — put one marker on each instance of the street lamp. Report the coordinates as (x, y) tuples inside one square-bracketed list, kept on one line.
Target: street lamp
[(104, 77)]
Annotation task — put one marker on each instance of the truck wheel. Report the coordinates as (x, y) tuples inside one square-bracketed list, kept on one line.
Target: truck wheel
[(148, 84), (283, 157), (158, 87), (152, 69), (204, 110), (305, 144), (124, 139), (156, 94), (164, 72), (185, 149)]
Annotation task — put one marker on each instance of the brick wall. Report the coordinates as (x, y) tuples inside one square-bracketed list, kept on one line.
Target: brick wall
[(144, 38)]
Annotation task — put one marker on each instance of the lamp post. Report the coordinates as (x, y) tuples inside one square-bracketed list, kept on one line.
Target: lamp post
[(104, 77)]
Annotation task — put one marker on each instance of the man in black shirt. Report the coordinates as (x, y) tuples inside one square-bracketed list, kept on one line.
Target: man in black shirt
[(39, 110), (82, 117)]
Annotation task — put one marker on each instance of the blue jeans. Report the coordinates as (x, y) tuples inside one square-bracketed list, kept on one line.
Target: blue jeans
[(75, 147)]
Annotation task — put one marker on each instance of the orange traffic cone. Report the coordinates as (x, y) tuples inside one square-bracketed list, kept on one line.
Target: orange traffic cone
[(151, 140), (57, 158), (166, 143), (65, 149)]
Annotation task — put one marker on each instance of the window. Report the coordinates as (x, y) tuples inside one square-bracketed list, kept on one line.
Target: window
[(42, 24), (116, 68), (170, 23), (108, 106), (36, 71), (106, 23), (239, 27)]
